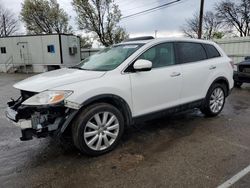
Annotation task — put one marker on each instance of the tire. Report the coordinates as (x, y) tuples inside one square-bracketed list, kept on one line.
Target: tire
[(94, 136), (212, 100), (238, 84)]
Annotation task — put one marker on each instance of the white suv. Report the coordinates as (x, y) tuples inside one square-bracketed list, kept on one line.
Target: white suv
[(133, 81)]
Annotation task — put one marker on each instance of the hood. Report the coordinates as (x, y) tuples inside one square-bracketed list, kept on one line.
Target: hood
[(52, 79)]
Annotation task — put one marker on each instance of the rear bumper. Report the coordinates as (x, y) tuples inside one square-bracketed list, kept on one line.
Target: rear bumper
[(241, 77)]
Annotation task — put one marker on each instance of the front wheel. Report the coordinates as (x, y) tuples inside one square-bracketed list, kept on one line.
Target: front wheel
[(98, 129), (215, 100)]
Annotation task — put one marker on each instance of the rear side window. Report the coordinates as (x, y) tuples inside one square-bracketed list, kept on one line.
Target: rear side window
[(190, 52), (212, 52)]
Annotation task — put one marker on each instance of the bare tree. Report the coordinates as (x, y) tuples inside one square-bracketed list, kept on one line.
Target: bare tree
[(8, 22), (191, 27), (235, 15), (211, 26), (44, 16), (100, 17), (85, 41)]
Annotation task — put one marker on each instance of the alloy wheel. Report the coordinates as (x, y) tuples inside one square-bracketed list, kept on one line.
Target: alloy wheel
[(217, 100), (101, 131)]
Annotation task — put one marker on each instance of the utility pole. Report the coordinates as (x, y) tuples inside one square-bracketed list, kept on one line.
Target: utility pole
[(4, 26), (201, 19)]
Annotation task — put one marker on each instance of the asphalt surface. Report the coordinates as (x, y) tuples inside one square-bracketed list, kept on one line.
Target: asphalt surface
[(183, 150)]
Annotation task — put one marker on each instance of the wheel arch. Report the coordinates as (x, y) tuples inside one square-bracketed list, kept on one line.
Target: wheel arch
[(114, 100), (221, 80)]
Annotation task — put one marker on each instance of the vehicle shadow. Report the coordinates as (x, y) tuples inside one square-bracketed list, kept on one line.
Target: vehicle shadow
[(134, 139)]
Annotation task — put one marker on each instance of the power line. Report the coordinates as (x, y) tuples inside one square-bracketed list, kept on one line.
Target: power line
[(145, 5), (128, 6), (151, 9), (124, 2)]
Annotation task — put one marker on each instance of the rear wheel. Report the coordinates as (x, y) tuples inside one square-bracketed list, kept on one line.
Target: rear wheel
[(215, 100), (98, 129)]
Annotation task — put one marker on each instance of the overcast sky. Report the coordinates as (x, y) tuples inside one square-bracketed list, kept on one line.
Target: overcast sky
[(166, 21)]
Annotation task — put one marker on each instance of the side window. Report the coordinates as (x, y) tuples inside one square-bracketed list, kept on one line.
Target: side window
[(3, 50), (212, 52), (190, 52), (160, 55)]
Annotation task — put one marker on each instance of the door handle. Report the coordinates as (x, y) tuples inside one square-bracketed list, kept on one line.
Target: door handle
[(212, 67), (174, 74)]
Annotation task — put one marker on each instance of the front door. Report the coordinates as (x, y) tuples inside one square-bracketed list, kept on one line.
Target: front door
[(23, 50), (160, 87)]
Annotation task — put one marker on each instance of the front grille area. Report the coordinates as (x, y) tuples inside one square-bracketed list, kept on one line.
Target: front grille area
[(244, 68)]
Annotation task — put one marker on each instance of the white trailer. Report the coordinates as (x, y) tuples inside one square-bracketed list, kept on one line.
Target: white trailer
[(236, 48), (38, 53)]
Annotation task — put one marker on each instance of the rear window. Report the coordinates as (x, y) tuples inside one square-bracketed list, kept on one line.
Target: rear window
[(212, 52), (190, 52)]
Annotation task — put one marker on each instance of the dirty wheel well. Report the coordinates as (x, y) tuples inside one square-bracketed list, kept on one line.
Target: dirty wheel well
[(224, 82), (116, 101)]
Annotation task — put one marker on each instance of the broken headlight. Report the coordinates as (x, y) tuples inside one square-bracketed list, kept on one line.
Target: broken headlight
[(47, 98)]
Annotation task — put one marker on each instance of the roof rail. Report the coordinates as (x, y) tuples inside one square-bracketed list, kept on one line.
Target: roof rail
[(139, 38)]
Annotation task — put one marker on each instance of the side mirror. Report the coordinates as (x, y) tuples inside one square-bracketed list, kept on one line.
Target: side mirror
[(142, 65)]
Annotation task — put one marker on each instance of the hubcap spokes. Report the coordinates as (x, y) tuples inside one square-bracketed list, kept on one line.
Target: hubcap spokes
[(101, 131), (216, 100)]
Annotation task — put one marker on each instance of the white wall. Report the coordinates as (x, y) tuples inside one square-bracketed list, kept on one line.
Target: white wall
[(236, 48), (67, 42), (38, 56), (37, 49), (9, 43)]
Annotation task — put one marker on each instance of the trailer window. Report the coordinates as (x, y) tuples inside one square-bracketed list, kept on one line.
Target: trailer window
[(3, 50), (51, 48)]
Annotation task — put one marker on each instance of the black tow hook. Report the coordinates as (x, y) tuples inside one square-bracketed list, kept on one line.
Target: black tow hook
[(13, 102), (27, 134)]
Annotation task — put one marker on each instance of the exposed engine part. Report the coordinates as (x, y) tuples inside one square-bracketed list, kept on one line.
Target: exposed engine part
[(44, 120)]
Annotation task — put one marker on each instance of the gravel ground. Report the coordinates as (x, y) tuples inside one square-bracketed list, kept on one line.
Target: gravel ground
[(182, 150)]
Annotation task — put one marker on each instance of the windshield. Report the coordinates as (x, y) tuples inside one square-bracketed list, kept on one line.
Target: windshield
[(108, 58)]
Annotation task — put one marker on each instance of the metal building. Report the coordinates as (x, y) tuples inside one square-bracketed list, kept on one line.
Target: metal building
[(86, 52), (38, 53), (236, 48)]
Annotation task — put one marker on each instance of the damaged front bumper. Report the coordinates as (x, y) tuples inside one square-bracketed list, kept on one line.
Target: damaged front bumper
[(39, 121)]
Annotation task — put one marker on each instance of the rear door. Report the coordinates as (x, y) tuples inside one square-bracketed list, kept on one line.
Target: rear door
[(160, 87), (197, 70)]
